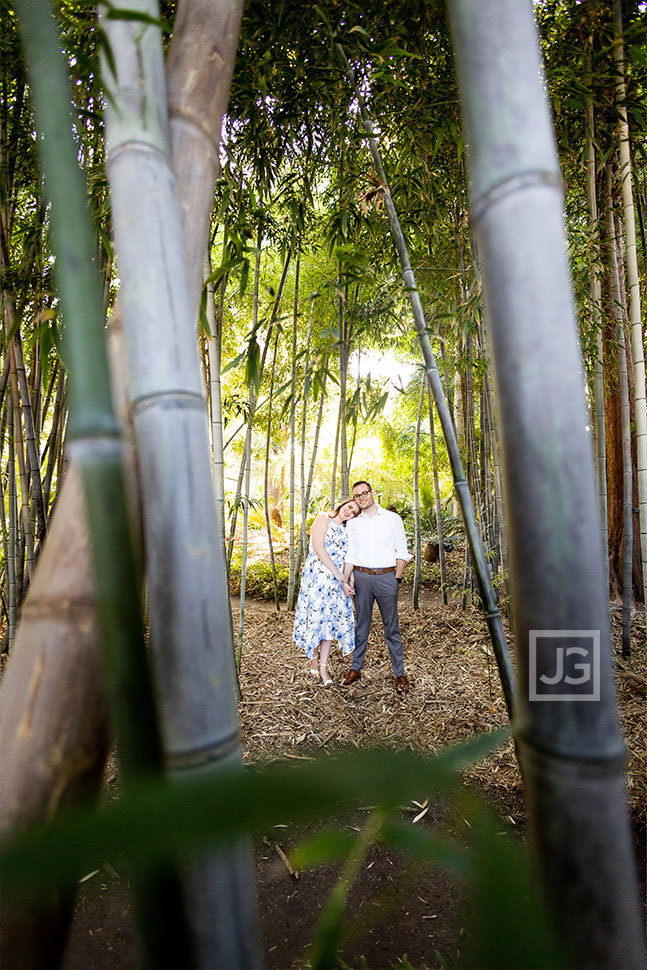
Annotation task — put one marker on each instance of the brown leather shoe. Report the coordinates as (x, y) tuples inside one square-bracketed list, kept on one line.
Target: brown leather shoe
[(352, 676), (402, 684)]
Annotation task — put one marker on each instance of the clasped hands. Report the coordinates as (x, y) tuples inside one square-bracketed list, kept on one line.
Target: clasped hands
[(347, 587)]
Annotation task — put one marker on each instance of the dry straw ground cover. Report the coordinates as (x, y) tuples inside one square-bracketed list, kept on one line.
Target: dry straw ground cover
[(454, 694)]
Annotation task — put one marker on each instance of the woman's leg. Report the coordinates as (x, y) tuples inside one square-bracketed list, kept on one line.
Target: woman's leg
[(324, 653), (314, 666)]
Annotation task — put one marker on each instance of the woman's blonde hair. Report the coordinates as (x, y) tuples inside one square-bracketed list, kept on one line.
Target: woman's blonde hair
[(340, 505)]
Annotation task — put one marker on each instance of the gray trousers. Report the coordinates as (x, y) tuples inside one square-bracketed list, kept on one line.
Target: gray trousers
[(382, 588)]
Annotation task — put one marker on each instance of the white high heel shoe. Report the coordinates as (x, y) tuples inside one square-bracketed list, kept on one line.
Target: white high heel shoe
[(325, 679)]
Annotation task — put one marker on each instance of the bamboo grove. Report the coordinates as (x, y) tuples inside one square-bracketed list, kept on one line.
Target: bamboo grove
[(277, 242), (297, 179)]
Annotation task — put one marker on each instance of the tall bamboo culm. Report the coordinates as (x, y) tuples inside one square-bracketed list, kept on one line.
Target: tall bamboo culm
[(571, 749), (187, 581), (94, 437), (614, 262), (595, 292), (61, 757), (474, 542), (633, 282)]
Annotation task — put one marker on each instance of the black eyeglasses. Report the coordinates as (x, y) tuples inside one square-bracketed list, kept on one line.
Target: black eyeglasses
[(367, 491)]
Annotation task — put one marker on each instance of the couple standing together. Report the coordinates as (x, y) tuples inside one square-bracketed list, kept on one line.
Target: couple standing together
[(358, 551)]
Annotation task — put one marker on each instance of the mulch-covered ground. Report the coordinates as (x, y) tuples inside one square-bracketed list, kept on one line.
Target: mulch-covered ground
[(454, 694), (400, 913)]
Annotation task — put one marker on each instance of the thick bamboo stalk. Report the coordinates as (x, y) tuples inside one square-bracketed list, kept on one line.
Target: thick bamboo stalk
[(55, 667), (187, 580), (488, 599), (633, 280), (569, 739), (94, 440)]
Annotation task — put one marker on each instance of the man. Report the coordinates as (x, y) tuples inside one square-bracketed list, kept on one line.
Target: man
[(377, 549)]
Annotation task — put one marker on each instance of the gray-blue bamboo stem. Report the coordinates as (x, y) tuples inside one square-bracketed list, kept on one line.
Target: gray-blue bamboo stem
[(570, 744)]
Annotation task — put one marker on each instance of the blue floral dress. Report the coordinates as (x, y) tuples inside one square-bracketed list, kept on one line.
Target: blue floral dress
[(323, 612)]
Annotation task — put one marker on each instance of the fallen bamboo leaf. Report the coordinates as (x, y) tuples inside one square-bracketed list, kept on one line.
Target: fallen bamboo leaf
[(89, 875)]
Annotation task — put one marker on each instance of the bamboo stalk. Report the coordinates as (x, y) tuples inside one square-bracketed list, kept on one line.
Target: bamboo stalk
[(571, 751), (612, 237), (266, 479), (57, 641), (416, 496), (254, 405), (302, 551), (492, 614), (188, 592), (247, 465), (292, 580), (11, 535), (439, 518), (214, 345), (595, 292), (94, 432), (31, 446), (633, 280)]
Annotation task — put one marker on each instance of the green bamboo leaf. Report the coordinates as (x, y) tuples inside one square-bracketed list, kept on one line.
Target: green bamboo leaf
[(244, 276), (510, 926), (427, 846), (156, 821), (137, 15), (204, 322), (253, 365), (323, 848)]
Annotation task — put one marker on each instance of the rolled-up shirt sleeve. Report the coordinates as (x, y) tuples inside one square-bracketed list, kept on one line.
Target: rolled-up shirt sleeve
[(400, 540)]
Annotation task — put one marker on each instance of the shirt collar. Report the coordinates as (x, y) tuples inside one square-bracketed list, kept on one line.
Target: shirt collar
[(378, 508)]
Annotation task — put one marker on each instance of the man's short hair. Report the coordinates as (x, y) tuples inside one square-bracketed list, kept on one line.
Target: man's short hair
[(361, 482)]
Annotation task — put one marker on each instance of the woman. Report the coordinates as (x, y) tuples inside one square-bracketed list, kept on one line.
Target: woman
[(325, 607)]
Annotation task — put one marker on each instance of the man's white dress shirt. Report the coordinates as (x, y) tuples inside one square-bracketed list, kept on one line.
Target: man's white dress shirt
[(376, 541)]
